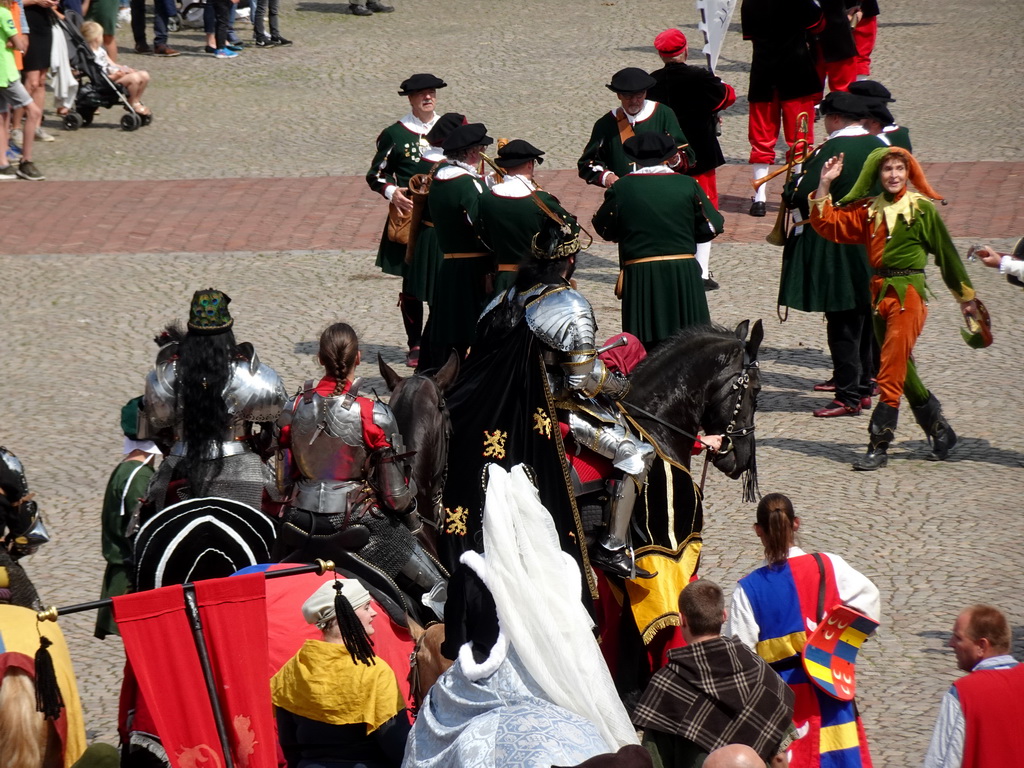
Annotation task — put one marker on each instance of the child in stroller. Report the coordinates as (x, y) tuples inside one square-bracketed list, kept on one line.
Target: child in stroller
[(103, 83)]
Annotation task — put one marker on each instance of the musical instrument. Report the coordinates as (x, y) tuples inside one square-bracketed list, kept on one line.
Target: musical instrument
[(798, 154)]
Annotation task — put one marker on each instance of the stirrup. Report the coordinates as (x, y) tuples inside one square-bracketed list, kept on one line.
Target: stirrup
[(618, 562)]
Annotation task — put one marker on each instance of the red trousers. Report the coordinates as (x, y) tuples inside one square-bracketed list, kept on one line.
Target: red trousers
[(766, 118), (839, 73), (709, 183), (902, 327), (864, 35)]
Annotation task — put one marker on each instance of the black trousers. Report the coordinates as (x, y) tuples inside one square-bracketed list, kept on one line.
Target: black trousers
[(850, 338)]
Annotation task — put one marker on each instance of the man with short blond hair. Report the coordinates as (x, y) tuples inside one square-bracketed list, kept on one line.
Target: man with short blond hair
[(980, 715)]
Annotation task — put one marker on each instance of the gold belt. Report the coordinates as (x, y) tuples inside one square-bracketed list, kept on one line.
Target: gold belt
[(672, 257), (464, 255), (508, 267)]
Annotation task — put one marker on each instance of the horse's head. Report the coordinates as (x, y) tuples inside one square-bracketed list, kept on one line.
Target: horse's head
[(422, 415), (732, 401)]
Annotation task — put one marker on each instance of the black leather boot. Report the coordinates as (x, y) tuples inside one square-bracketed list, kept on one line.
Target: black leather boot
[(940, 435), (881, 432)]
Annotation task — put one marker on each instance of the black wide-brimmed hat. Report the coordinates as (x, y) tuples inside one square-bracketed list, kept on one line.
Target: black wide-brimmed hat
[(420, 82), (872, 90), (466, 136), (445, 124), (630, 80), (844, 104), (200, 539), (649, 148), (517, 152), (878, 111)]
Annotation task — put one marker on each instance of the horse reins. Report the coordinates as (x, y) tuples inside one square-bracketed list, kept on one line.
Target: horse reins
[(742, 383)]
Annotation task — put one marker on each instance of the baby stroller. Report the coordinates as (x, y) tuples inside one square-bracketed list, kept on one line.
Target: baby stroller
[(95, 89)]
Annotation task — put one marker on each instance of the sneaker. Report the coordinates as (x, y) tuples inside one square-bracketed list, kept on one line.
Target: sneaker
[(143, 48), (124, 16), (13, 154), (210, 49), (278, 40), (263, 42), (42, 135), (162, 49), (27, 170), (234, 45), (7, 173), (376, 7), (360, 10), (17, 138), (225, 53)]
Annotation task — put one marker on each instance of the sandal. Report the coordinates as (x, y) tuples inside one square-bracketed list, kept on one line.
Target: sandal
[(141, 109)]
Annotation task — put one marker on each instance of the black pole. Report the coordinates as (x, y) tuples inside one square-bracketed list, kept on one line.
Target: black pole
[(50, 614), (192, 612)]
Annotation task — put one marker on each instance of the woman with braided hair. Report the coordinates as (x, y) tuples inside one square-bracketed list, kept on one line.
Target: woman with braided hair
[(341, 464), (338, 704)]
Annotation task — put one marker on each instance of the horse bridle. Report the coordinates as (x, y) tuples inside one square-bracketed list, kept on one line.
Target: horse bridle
[(740, 384)]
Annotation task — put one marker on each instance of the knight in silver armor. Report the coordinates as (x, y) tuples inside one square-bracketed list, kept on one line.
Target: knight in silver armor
[(581, 385), (21, 523), (341, 464), (211, 392)]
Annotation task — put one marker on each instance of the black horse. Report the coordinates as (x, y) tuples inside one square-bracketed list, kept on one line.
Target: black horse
[(419, 407), (705, 378)]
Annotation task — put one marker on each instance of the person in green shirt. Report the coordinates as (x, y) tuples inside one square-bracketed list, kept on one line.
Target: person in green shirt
[(396, 160), (604, 160), (126, 489), (512, 211), (13, 96), (657, 217)]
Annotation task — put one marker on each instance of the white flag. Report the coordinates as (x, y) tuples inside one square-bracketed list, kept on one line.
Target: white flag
[(714, 23)]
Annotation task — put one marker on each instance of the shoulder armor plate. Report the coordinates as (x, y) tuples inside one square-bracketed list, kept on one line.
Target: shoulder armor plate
[(562, 319)]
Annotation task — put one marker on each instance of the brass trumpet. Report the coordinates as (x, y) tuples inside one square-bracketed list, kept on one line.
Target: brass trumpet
[(798, 154)]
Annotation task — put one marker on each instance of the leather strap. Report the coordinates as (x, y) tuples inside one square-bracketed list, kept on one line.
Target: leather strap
[(821, 586), (671, 257), (464, 255), (508, 267), (625, 129)]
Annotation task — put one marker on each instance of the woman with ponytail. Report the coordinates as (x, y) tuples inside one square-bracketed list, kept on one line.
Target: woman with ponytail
[(338, 704), (341, 463), (210, 390), (776, 608)]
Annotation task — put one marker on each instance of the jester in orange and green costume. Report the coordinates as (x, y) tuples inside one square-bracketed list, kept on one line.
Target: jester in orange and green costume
[(900, 228)]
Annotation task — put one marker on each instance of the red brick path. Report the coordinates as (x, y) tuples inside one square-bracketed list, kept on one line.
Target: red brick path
[(340, 213)]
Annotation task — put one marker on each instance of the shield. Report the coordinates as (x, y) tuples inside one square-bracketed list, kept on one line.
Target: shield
[(830, 654), (200, 539)]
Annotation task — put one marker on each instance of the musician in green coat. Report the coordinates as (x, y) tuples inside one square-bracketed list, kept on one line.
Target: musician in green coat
[(604, 160), (657, 217), (513, 210), (454, 203), (396, 160)]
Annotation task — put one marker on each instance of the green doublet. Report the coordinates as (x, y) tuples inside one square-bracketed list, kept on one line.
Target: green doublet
[(507, 225), (898, 137), (604, 150), (421, 272), (460, 293), (397, 159), (819, 275), (659, 214)]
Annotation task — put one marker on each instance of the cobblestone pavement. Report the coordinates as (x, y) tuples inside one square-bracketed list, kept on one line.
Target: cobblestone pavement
[(84, 296)]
